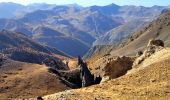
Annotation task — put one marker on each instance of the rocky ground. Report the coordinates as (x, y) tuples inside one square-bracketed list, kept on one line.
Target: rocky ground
[(149, 80), (141, 77)]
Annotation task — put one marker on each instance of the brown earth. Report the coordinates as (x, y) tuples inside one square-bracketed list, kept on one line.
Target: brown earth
[(150, 80), (112, 67), (24, 80), (73, 63)]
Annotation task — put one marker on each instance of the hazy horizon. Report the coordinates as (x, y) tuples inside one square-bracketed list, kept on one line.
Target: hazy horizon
[(147, 3)]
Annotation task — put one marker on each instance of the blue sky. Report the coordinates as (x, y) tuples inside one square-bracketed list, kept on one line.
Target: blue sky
[(95, 2)]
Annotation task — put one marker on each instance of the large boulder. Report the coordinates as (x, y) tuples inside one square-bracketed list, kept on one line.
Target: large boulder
[(153, 42), (118, 67)]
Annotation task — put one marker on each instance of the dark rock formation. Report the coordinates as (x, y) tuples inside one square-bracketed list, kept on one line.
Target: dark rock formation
[(156, 42), (55, 64), (76, 78), (85, 74)]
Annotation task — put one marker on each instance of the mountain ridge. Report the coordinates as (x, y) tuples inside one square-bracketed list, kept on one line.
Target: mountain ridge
[(13, 45), (82, 24)]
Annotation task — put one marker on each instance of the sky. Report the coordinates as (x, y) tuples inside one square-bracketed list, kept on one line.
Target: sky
[(95, 2)]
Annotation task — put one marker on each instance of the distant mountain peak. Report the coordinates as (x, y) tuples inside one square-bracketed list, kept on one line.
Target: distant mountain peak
[(113, 4)]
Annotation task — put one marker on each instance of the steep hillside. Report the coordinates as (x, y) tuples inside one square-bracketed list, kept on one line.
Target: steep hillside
[(150, 82), (136, 41), (70, 45), (117, 35), (23, 80), (11, 39), (62, 41), (158, 29), (114, 38), (25, 55), (92, 22), (19, 47), (45, 32)]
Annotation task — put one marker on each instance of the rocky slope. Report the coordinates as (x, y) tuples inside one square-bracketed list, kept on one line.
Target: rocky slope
[(115, 37), (157, 29), (150, 81)]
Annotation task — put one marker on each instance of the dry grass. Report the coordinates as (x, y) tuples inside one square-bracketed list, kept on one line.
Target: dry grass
[(73, 63), (23, 80), (150, 82)]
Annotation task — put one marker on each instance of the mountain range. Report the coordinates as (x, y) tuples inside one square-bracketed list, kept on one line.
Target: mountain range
[(73, 29), (39, 43)]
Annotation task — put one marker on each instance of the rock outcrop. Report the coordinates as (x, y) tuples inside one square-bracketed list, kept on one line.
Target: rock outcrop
[(151, 82), (85, 74), (152, 47), (155, 42), (118, 67), (56, 64)]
